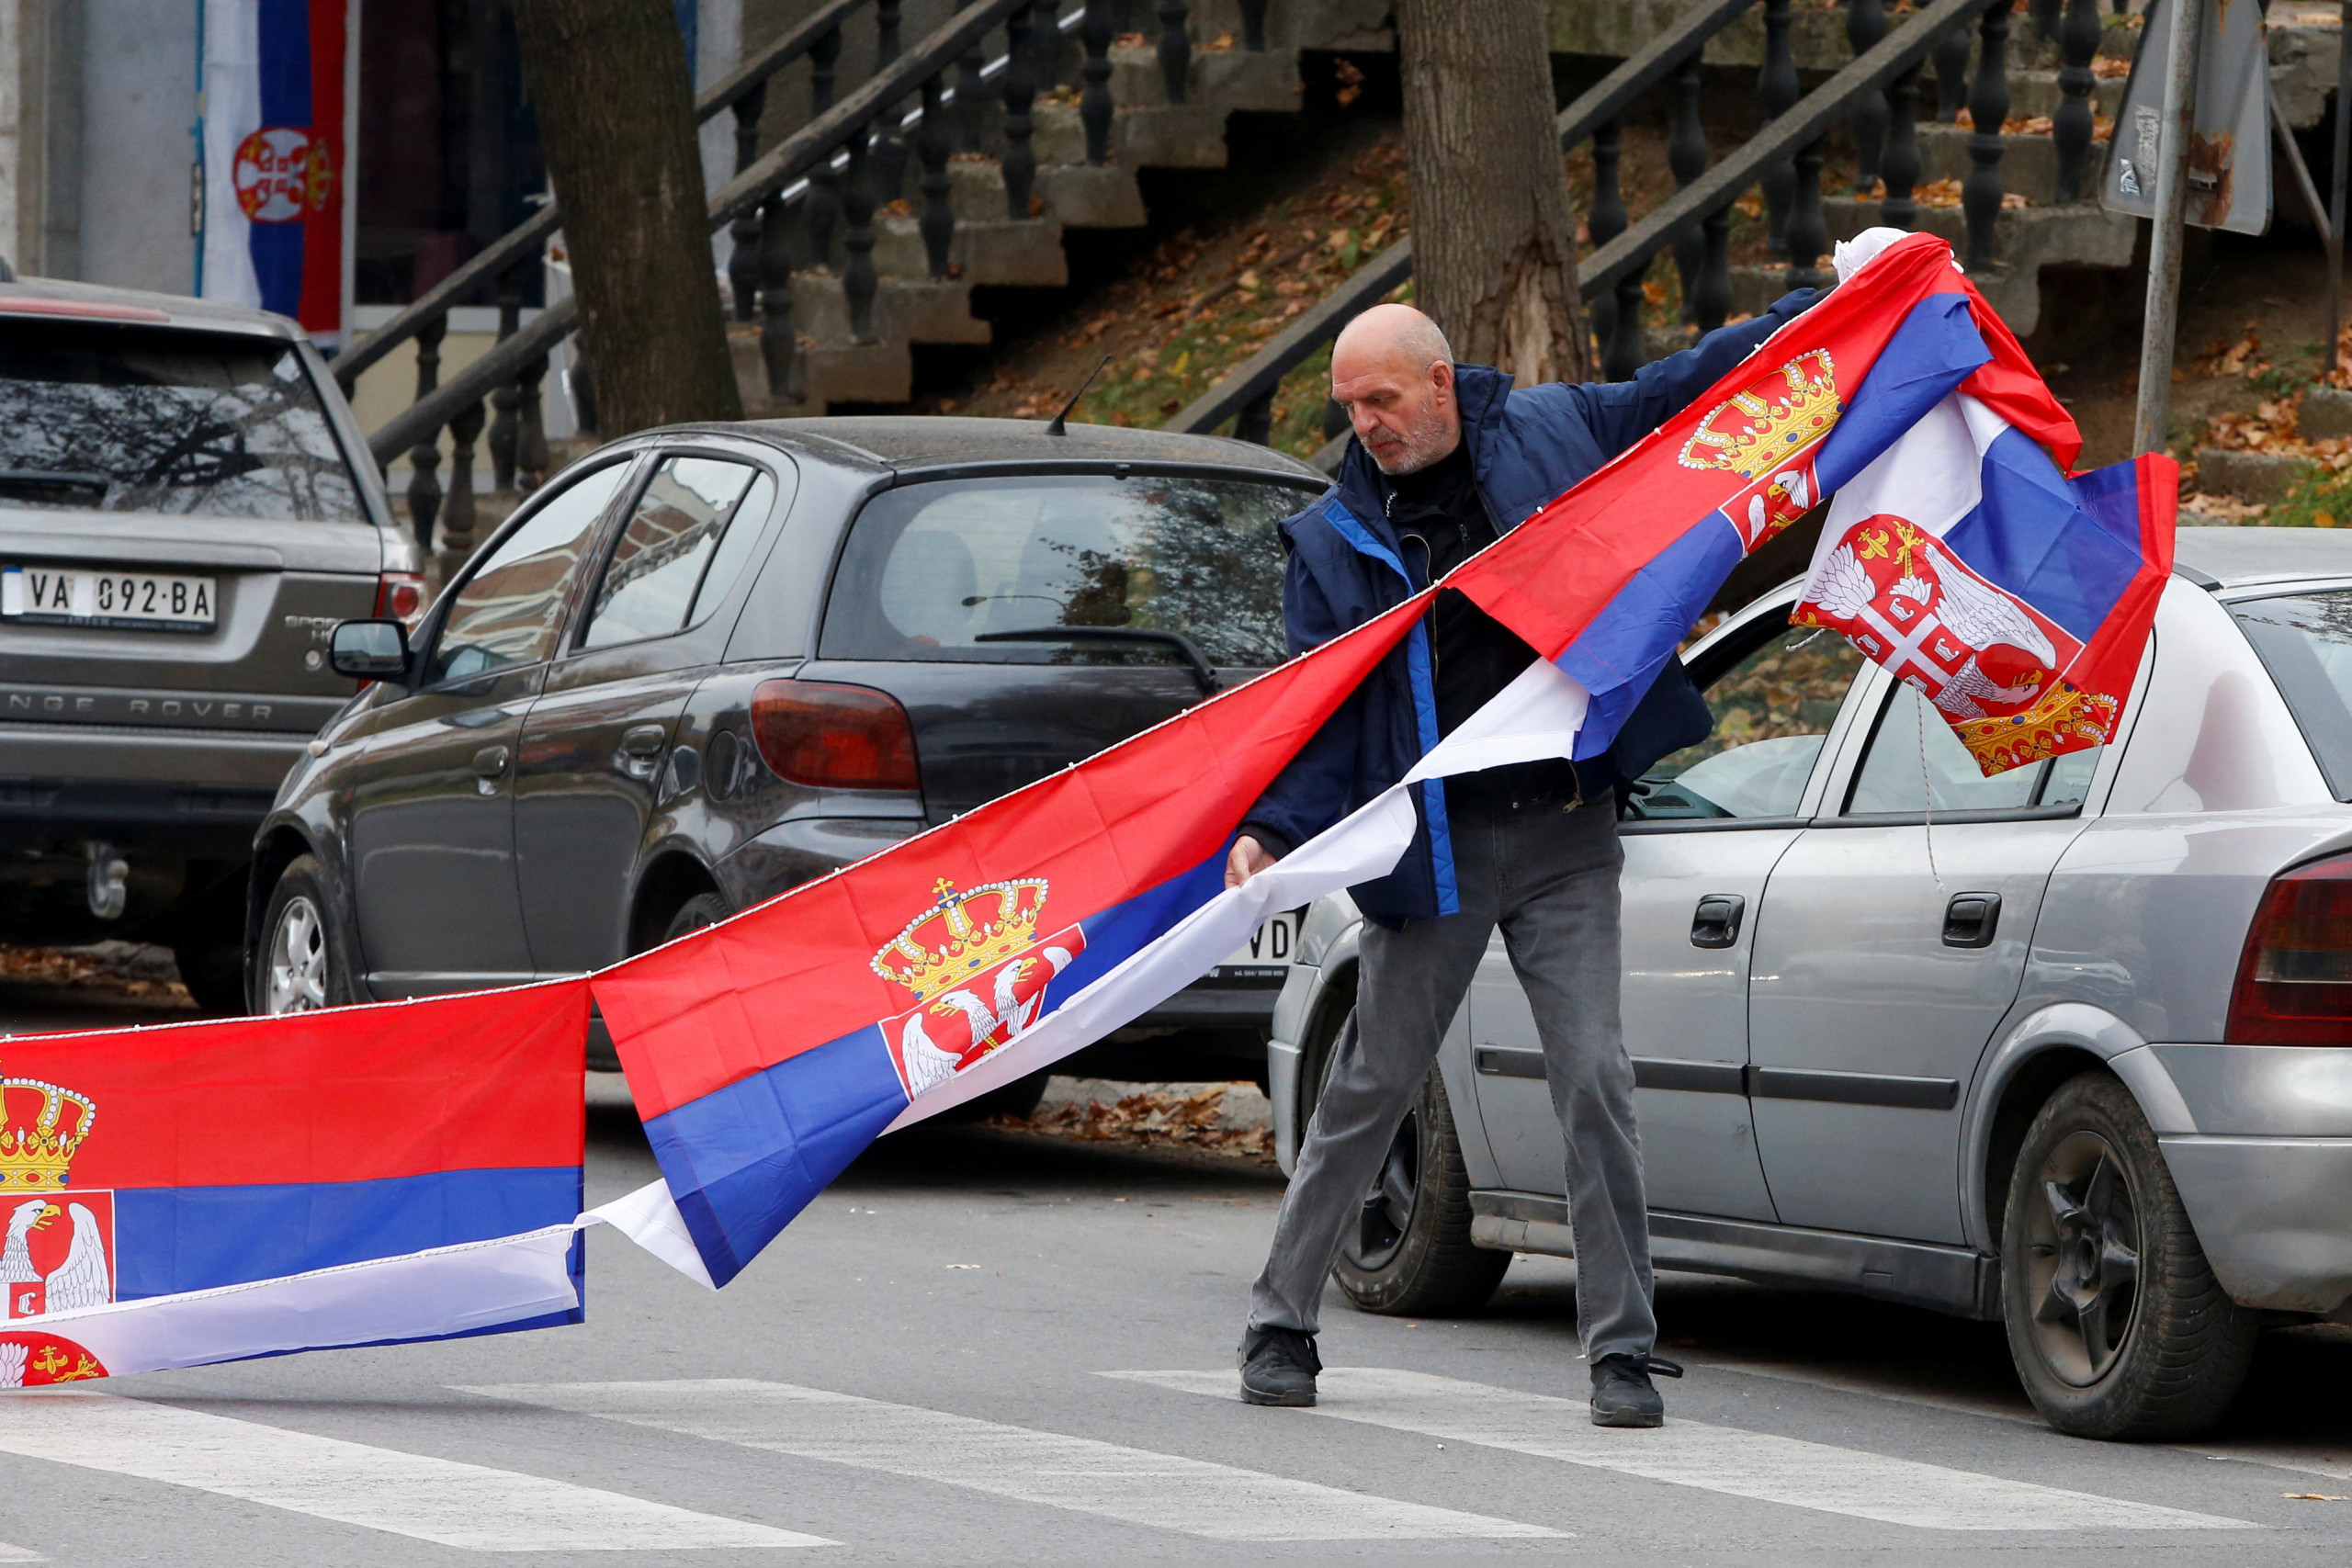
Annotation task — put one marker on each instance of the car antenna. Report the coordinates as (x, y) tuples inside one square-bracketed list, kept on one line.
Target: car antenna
[(1060, 423)]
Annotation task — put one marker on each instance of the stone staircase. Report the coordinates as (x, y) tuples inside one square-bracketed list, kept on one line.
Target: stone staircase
[(990, 249)]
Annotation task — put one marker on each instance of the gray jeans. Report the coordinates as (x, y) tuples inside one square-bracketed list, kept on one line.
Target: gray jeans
[(1548, 877)]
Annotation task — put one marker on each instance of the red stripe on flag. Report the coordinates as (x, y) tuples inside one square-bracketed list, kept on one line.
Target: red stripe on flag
[(320, 310)]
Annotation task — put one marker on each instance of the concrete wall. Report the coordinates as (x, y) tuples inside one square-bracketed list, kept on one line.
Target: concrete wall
[(138, 102)]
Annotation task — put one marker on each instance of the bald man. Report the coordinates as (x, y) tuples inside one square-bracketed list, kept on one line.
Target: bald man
[(1445, 460)]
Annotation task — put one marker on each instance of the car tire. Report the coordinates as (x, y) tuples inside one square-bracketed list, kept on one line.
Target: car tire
[(300, 964), (1406, 1252), (702, 909), (2094, 1231), (214, 974)]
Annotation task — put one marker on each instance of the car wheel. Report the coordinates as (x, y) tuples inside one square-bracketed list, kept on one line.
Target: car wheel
[(301, 967), (1406, 1251), (2115, 1320), (702, 909)]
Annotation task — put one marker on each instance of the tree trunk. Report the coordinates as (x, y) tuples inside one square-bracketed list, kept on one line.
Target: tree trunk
[(608, 80), (1494, 240)]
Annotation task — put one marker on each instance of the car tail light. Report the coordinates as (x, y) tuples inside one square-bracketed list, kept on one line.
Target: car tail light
[(400, 596), (834, 737), (2295, 977)]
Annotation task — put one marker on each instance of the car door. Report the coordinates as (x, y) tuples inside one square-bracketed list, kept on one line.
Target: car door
[(1700, 845), (431, 822), (596, 746), (1893, 942)]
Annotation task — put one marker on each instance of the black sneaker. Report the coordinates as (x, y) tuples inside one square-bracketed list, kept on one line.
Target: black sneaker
[(1623, 1394), (1278, 1366)]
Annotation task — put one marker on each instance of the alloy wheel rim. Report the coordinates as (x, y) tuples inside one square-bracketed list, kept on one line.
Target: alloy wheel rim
[(1387, 1211), (2083, 1259), (298, 959)]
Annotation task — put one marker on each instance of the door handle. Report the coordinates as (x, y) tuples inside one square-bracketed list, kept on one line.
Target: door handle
[(1717, 922), (1971, 918), (642, 748), (490, 766)]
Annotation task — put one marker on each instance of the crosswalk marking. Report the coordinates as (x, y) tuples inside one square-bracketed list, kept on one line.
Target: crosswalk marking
[(2331, 1460), (1221, 1502), (429, 1499), (1719, 1458)]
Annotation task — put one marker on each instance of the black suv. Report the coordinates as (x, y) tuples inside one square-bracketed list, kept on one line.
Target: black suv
[(186, 512), (706, 664)]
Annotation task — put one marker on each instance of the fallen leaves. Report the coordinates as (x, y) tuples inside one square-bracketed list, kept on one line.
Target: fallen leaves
[(1153, 1118)]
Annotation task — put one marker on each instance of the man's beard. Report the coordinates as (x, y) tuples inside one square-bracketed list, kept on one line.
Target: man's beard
[(1427, 442)]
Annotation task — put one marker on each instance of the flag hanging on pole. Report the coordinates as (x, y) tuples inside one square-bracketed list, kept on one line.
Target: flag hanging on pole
[(278, 120)]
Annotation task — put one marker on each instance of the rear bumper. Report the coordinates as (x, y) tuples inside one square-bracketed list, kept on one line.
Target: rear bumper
[(2259, 1143), (145, 791)]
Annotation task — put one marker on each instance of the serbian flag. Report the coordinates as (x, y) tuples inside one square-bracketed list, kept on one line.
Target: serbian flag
[(765, 1053), (201, 1192), (2016, 599), (278, 120)]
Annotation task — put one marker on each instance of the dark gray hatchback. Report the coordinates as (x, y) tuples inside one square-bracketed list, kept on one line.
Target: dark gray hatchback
[(706, 664), (181, 526)]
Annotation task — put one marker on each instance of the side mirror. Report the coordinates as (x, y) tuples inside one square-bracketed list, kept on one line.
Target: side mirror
[(370, 651)]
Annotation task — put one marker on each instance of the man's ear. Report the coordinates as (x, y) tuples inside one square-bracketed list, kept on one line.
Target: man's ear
[(1441, 378)]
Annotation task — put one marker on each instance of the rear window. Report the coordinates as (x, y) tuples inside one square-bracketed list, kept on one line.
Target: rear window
[(2305, 641), (102, 418), (932, 570)]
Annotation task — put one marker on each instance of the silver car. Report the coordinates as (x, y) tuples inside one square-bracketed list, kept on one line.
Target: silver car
[(2070, 1046)]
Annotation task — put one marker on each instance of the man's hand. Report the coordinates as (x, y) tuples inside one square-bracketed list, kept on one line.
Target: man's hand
[(1247, 859)]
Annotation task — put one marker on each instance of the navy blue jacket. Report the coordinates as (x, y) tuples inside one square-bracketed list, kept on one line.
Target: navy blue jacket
[(1526, 449)]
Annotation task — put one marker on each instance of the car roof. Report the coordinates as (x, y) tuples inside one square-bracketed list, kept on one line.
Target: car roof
[(2235, 557), (910, 443), (58, 298)]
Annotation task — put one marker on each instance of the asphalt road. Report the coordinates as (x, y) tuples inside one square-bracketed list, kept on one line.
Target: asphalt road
[(992, 1346)]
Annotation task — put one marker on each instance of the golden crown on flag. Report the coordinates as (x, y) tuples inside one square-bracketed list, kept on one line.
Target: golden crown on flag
[(963, 935), (36, 1146), (1757, 430)]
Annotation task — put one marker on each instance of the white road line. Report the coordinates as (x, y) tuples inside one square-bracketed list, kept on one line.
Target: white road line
[(1221, 1502), (1719, 1458), (429, 1499), (2333, 1461), (19, 1554)]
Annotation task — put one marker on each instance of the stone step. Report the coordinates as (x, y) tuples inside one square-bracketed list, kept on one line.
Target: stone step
[(2027, 241), (1817, 43), (997, 252), (2033, 94), (1234, 79), (2028, 163), (1171, 136), (2250, 475)]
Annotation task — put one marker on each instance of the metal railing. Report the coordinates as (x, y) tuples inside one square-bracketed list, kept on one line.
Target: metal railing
[(811, 196), (1877, 92)]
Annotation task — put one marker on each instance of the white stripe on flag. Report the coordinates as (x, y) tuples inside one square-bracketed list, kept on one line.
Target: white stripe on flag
[(418, 1296), (1220, 1502), (1717, 1459), (1537, 716), (438, 1500)]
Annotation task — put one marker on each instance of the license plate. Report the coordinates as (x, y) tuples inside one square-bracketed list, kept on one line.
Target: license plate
[(1270, 950), (78, 596)]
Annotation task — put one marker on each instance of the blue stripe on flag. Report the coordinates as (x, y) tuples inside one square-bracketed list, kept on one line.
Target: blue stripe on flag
[(2069, 550), (169, 1239), (283, 32), (1933, 350), (1617, 656)]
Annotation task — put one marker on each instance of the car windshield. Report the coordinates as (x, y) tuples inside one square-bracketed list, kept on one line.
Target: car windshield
[(992, 570), (2305, 641), (99, 417)]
